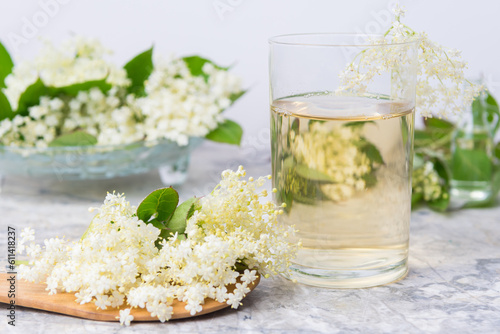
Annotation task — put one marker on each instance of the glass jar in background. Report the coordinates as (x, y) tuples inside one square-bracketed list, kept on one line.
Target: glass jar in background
[(473, 153)]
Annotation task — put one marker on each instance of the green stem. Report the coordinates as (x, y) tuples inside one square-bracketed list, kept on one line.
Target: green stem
[(388, 31)]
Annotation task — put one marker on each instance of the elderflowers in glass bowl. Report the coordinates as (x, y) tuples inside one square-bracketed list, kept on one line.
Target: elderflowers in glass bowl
[(74, 114), (161, 254)]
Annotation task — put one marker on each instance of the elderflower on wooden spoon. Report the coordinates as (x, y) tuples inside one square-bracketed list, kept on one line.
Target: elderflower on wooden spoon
[(160, 252)]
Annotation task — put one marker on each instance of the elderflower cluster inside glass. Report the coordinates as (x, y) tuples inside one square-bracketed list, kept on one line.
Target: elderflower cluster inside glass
[(342, 149)]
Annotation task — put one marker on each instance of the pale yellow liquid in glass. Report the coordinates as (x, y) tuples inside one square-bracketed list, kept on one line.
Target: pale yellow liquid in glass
[(343, 167)]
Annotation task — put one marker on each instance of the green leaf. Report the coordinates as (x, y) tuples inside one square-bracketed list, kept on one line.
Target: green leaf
[(422, 135), (156, 223), (78, 138), (493, 112), (436, 123), (183, 212), (31, 96), (442, 170), (296, 125), (195, 65), (435, 137), (370, 180), (177, 222), (372, 152), (160, 205), (6, 65), (485, 112), (138, 71), (312, 121), (312, 174), (490, 100), (358, 124), (240, 266), (5, 108), (440, 204), (73, 90), (34, 92), (497, 150), (415, 198), (406, 130), (228, 132), (471, 165), (233, 97), (294, 187)]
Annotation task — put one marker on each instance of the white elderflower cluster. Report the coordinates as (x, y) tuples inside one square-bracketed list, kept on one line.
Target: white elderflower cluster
[(334, 152), (102, 115), (425, 180), (27, 131), (440, 82), (179, 105), (116, 262), (234, 214), (78, 60)]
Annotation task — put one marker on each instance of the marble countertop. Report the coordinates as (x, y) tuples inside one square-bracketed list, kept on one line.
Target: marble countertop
[(453, 285)]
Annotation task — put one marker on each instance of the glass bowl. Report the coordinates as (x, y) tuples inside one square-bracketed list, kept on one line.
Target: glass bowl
[(100, 162)]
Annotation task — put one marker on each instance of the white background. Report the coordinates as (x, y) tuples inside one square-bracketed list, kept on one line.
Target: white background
[(236, 32)]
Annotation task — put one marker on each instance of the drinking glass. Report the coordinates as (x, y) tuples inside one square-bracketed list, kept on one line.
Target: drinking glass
[(342, 123)]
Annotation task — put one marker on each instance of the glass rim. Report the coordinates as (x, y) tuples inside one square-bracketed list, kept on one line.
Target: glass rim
[(280, 40)]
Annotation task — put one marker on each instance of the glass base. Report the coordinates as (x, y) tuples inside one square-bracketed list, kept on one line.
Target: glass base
[(343, 272)]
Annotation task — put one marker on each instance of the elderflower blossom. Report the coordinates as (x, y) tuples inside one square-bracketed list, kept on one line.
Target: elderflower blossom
[(334, 152), (177, 105), (116, 262), (77, 60), (425, 180), (440, 74), (98, 114)]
